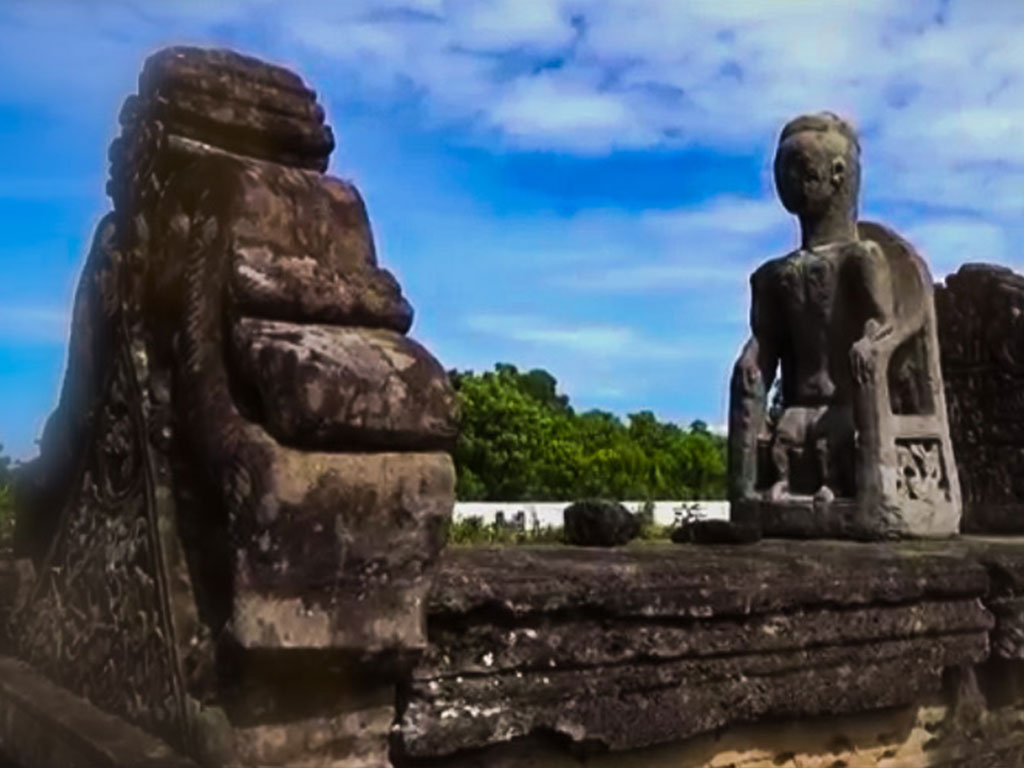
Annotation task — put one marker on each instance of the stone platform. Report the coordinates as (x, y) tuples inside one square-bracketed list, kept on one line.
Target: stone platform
[(654, 649), (621, 650)]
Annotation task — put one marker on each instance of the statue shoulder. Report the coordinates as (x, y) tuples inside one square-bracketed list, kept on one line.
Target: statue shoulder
[(869, 255), (770, 272)]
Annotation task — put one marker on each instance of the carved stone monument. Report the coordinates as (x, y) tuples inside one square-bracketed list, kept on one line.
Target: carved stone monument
[(859, 445), (241, 495), (981, 332)]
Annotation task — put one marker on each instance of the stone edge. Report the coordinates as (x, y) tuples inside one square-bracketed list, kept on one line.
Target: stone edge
[(43, 725)]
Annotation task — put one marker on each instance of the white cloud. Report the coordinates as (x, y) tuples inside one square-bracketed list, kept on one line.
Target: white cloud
[(650, 278), (946, 243), (710, 246), (33, 324), (937, 92), (548, 110), (611, 341)]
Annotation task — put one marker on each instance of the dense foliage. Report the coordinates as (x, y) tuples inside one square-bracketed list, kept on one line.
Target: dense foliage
[(522, 440)]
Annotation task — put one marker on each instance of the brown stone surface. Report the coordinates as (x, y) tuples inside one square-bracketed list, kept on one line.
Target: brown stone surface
[(981, 334), (664, 580), (930, 735), (651, 644), (343, 563), (344, 388), (43, 726)]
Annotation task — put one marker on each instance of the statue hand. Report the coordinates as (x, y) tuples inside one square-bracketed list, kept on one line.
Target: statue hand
[(864, 360), (751, 376)]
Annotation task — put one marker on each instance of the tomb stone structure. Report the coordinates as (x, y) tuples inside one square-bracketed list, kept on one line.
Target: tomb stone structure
[(229, 550), (980, 313), (860, 446), (240, 497)]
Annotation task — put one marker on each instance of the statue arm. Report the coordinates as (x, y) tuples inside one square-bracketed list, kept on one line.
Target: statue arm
[(752, 378), (882, 332)]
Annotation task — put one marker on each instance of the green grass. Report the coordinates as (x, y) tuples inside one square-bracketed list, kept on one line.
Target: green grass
[(473, 531)]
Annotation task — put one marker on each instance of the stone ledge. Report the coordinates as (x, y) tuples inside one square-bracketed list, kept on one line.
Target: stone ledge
[(627, 648), (44, 726)]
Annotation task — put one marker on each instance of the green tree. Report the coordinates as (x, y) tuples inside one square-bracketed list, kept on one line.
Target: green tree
[(521, 439)]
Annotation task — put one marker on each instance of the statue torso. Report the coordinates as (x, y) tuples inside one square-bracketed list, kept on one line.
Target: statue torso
[(819, 317)]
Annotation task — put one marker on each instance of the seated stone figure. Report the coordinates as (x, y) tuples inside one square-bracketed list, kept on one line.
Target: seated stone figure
[(860, 445)]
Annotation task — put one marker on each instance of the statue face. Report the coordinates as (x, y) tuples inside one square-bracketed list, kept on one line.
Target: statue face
[(810, 170)]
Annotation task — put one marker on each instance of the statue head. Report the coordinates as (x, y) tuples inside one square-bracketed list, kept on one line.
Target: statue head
[(817, 166)]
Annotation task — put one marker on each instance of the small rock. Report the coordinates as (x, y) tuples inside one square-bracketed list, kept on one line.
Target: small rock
[(599, 523)]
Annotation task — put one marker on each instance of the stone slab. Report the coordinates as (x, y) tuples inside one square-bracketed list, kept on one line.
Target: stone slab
[(701, 581), (45, 726), (626, 648)]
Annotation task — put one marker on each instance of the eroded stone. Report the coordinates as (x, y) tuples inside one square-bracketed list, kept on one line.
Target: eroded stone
[(345, 388)]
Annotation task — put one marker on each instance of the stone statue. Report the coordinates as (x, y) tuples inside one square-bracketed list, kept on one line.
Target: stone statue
[(241, 496), (859, 445)]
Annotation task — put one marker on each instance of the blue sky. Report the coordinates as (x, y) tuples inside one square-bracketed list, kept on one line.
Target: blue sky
[(579, 185)]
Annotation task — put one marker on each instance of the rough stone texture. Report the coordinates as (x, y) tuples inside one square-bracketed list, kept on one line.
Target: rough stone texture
[(241, 496), (43, 726), (599, 523), (626, 648), (930, 735), (716, 532), (860, 446), (980, 313), (336, 387)]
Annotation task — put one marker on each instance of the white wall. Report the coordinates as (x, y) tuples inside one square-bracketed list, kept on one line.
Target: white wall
[(550, 512)]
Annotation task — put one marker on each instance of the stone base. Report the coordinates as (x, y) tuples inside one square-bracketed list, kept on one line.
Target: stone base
[(930, 735), (800, 517), (619, 650), (993, 518)]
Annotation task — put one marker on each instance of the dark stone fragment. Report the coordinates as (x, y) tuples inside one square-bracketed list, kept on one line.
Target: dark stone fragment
[(980, 314), (599, 523), (716, 532), (242, 128), (181, 62)]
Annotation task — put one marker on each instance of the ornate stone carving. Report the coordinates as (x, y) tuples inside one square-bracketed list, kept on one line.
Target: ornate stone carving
[(247, 477), (98, 622), (920, 475), (980, 313), (860, 446)]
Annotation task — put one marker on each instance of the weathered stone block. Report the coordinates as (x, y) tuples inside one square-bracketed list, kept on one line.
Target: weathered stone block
[(620, 649), (343, 562), (343, 388)]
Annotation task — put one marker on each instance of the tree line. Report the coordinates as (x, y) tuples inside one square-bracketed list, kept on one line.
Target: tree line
[(522, 440)]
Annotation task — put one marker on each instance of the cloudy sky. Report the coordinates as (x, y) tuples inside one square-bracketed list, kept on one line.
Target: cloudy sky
[(579, 185)]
